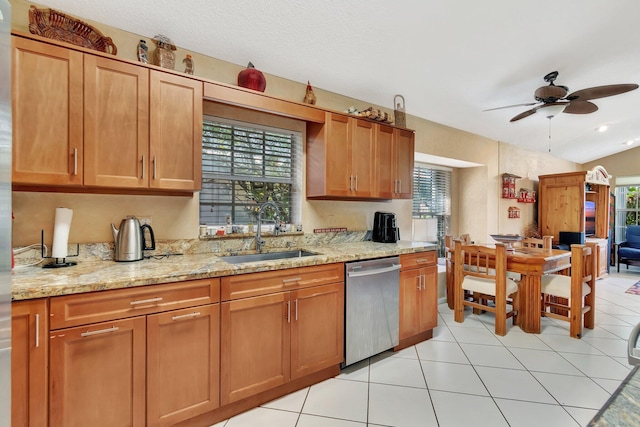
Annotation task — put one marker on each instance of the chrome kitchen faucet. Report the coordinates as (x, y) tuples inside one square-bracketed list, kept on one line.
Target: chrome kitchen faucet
[(276, 227)]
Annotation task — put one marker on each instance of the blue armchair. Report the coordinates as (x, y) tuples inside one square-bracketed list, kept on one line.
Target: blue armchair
[(629, 250)]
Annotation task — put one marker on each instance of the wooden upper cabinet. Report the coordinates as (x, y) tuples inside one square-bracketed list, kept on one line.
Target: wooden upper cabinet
[(47, 114), (362, 153), (331, 157), (175, 132), (403, 155), (385, 169), (116, 123)]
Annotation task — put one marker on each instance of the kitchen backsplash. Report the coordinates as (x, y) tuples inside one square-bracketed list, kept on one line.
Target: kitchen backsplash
[(215, 245)]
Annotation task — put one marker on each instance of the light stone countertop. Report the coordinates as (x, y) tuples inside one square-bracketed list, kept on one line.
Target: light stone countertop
[(97, 275)]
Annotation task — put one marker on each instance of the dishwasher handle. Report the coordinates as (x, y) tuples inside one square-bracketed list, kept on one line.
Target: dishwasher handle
[(361, 273), (633, 352)]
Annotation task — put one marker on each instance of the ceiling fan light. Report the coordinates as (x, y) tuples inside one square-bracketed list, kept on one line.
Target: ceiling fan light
[(551, 110), (603, 128)]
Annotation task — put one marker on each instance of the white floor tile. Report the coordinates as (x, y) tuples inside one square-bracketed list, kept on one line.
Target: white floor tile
[(519, 339), (442, 333), (407, 353), (545, 361), (610, 347), (573, 391), (220, 424), (441, 351), (291, 402), (264, 417), (396, 371), (400, 406), (489, 355), (455, 410), (513, 384), (609, 385), (564, 343), (597, 366), (474, 336), (619, 331), (598, 332), (341, 399), (315, 421), (453, 377), (529, 414), (470, 321), (581, 415), (357, 372), (603, 318)]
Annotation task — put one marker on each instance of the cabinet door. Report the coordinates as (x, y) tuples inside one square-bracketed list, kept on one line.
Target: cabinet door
[(29, 363), (403, 161), (175, 132), (428, 298), (363, 158), (385, 171), (317, 329), (338, 160), (47, 114), (97, 375), (255, 345), (182, 364), (410, 285), (116, 123)]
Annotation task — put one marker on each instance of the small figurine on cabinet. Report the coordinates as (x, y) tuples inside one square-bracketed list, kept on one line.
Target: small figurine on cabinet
[(142, 52), (188, 62), (163, 55), (309, 97)]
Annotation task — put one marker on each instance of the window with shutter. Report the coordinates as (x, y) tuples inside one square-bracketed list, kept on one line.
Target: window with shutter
[(432, 197), (245, 165)]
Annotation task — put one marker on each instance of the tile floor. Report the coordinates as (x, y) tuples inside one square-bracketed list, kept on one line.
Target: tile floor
[(466, 375)]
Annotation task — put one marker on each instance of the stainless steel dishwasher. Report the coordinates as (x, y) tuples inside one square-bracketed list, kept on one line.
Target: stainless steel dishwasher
[(372, 289)]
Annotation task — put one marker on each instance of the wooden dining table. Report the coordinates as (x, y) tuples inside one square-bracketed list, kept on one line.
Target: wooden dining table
[(531, 264)]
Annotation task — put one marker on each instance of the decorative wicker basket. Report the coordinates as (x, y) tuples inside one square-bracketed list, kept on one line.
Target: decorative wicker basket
[(58, 26)]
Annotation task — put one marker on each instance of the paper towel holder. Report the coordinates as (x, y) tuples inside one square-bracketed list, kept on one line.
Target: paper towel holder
[(59, 262)]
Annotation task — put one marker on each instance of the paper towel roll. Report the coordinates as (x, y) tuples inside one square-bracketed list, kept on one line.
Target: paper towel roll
[(61, 232)]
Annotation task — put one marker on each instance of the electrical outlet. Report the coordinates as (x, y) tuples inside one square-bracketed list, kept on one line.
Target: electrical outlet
[(146, 219)]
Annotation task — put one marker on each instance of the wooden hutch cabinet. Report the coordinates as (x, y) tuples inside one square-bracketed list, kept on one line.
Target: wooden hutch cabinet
[(566, 202)]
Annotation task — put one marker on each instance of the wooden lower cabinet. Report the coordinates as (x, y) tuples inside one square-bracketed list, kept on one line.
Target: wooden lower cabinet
[(602, 256), (182, 364), (97, 374), (418, 301), (268, 340), (29, 367)]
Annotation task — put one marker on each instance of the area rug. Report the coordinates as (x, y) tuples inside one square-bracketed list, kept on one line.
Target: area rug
[(634, 289)]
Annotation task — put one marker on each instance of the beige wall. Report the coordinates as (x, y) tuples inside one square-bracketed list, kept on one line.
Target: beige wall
[(476, 205), (618, 165)]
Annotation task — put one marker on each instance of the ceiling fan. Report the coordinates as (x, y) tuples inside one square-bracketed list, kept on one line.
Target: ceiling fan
[(553, 99)]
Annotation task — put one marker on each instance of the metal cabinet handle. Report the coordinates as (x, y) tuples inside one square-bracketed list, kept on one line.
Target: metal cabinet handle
[(288, 311), (75, 161), (293, 279), (143, 166), (424, 282), (155, 163), (37, 330), (350, 182), (186, 316), (399, 186), (419, 282), (146, 301), (421, 260), (100, 331), (296, 308)]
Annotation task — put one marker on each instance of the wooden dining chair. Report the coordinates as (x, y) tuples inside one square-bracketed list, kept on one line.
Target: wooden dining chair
[(532, 243), (482, 271), (572, 298), (448, 256)]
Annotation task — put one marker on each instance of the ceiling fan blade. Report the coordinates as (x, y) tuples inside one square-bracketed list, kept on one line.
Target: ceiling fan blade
[(511, 106), (580, 107), (523, 115), (601, 91)]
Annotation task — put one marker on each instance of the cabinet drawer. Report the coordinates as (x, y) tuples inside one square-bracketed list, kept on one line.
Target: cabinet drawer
[(81, 309), (248, 285), (418, 259)]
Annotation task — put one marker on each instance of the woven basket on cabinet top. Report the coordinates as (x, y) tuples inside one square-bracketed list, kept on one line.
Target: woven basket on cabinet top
[(55, 25)]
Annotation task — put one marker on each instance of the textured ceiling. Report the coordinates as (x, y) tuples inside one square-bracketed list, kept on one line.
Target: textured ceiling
[(450, 59)]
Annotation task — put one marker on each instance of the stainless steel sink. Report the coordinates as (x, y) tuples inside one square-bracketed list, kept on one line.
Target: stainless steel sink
[(267, 256)]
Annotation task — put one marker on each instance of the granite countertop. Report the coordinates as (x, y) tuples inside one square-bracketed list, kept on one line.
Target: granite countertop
[(623, 407), (97, 275)]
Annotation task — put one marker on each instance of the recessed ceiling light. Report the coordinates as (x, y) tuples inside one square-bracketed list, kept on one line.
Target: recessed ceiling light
[(603, 128), (630, 142)]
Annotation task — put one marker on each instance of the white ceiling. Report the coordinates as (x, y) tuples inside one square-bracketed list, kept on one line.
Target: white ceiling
[(450, 59)]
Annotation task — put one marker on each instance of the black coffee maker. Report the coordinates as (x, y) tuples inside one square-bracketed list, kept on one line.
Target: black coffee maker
[(384, 228)]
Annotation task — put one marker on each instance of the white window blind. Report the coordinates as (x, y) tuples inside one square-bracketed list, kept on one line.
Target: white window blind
[(243, 166), (432, 197)]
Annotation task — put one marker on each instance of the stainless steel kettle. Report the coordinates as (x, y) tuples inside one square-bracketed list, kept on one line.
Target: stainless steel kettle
[(130, 240)]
